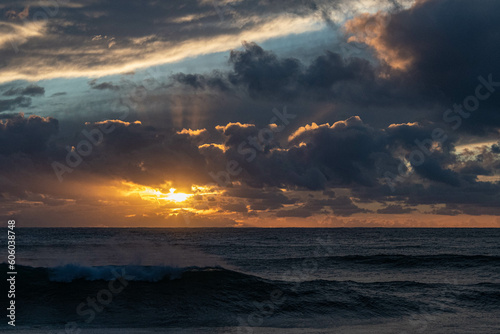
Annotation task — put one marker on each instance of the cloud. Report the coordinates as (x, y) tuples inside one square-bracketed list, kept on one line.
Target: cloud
[(347, 84), (395, 209), (444, 45), (264, 74), (199, 136), (413, 76), (153, 154), (193, 133), (234, 207), (345, 152), (12, 104), (13, 15), (26, 135), (158, 36), (373, 31), (198, 81), (357, 115), (432, 170), (31, 90), (347, 159), (103, 85), (344, 206), (14, 34), (322, 156)]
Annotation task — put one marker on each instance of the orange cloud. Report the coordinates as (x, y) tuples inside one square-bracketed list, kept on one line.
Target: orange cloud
[(223, 128), (193, 133), (12, 14), (115, 121), (372, 29), (337, 125)]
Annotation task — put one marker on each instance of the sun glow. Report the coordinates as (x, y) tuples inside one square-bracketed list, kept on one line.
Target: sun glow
[(156, 194), (175, 197)]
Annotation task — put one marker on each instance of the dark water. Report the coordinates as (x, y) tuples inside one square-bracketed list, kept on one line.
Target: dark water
[(258, 280)]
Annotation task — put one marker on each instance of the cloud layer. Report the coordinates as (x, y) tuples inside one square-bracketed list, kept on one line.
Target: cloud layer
[(400, 122)]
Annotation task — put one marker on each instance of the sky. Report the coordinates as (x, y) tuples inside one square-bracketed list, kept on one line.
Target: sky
[(232, 113)]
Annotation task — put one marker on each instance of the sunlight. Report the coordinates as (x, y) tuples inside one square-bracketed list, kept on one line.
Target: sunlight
[(156, 194), (176, 197)]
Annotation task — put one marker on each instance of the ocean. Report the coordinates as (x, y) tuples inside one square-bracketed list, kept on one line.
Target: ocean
[(213, 280)]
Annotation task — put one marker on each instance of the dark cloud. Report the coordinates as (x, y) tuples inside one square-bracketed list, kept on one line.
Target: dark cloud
[(433, 171), (152, 154), (264, 75), (261, 200), (447, 45), (354, 85), (9, 115), (354, 155), (103, 85), (341, 206), (329, 193), (12, 104), (31, 90), (26, 135), (198, 81), (346, 153), (234, 207), (312, 160), (474, 168), (395, 209), (300, 212), (344, 206), (448, 210), (496, 148)]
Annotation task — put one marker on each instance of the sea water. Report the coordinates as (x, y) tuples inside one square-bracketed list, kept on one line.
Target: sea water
[(85, 280)]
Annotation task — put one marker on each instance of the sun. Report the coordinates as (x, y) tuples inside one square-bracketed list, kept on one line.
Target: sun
[(175, 197)]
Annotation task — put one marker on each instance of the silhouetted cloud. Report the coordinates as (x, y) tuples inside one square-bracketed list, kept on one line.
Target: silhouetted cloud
[(445, 46), (395, 209), (26, 135), (12, 104), (31, 90), (103, 85)]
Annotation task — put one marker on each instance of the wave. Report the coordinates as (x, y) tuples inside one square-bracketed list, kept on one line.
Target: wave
[(149, 296), (398, 260), (71, 272)]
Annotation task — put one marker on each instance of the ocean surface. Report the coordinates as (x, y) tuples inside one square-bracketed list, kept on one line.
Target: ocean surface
[(256, 281)]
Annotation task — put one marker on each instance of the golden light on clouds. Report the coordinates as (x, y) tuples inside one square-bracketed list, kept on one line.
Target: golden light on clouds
[(171, 196), (165, 192), (371, 29), (155, 194), (14, 34), (176, 197)]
